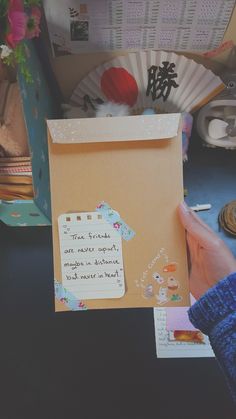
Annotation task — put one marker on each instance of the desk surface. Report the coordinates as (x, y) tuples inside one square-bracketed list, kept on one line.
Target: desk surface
[(101, 364)]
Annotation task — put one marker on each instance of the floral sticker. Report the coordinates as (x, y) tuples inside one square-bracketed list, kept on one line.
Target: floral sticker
[(64, 300), (99, 206), (116, 225)]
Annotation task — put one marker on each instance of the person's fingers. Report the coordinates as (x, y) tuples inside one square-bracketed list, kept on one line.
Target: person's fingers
[(196, 227), (193, 247), (185, 210), (199, 220)]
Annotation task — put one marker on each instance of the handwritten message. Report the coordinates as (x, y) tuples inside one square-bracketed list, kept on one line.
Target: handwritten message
[(91, 256)]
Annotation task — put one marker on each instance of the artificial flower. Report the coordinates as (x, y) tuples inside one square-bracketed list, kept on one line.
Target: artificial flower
[(5, 51), (17, 19)]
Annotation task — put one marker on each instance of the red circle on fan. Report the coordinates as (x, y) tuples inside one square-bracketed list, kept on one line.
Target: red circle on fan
[(119, 86)]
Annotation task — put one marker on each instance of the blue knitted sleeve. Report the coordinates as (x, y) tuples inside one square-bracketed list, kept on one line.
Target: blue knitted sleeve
[(215, 315)]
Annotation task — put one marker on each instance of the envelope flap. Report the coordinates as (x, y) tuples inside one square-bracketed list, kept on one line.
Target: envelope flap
[(128, 128)]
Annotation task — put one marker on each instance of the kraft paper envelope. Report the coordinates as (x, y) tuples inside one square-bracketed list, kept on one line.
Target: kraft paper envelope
[(128, 169)]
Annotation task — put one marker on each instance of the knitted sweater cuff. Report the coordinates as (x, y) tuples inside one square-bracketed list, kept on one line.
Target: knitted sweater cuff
[(216, 304)]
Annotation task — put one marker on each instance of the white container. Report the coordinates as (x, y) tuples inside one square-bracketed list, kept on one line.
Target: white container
[(221, 109)]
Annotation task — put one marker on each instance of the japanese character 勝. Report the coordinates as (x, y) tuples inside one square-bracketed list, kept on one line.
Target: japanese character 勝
[(161, 80)]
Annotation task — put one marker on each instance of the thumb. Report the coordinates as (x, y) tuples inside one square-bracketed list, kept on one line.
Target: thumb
[(196, 227)]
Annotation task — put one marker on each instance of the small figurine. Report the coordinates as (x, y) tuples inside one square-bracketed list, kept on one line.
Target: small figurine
[(109, 109), (71, 112)]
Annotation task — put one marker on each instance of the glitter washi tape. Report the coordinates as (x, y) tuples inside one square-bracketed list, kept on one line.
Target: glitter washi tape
[(113, 218), (66, 297)]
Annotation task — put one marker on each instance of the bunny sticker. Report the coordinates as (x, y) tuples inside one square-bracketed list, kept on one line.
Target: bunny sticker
[(162, 296)]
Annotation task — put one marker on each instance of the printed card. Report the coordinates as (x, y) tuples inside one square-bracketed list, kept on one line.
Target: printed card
[(91, 256)]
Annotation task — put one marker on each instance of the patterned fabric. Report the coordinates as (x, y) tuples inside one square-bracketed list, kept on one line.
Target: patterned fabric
[(215, 315)]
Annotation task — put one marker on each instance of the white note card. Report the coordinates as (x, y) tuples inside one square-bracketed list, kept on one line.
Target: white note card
[(167, 348), (91, 256)]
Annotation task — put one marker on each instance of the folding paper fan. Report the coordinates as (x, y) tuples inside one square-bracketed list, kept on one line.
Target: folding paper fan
[(148, 79)]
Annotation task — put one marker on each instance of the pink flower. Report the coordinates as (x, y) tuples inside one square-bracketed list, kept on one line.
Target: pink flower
[(116, 225), (33, 22), (17, 23)]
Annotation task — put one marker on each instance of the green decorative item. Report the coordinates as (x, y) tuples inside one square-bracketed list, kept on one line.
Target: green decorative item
[(176, 297), (19, 21)]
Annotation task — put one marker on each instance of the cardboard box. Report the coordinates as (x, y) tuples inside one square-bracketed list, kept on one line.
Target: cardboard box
[(38, 104)]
